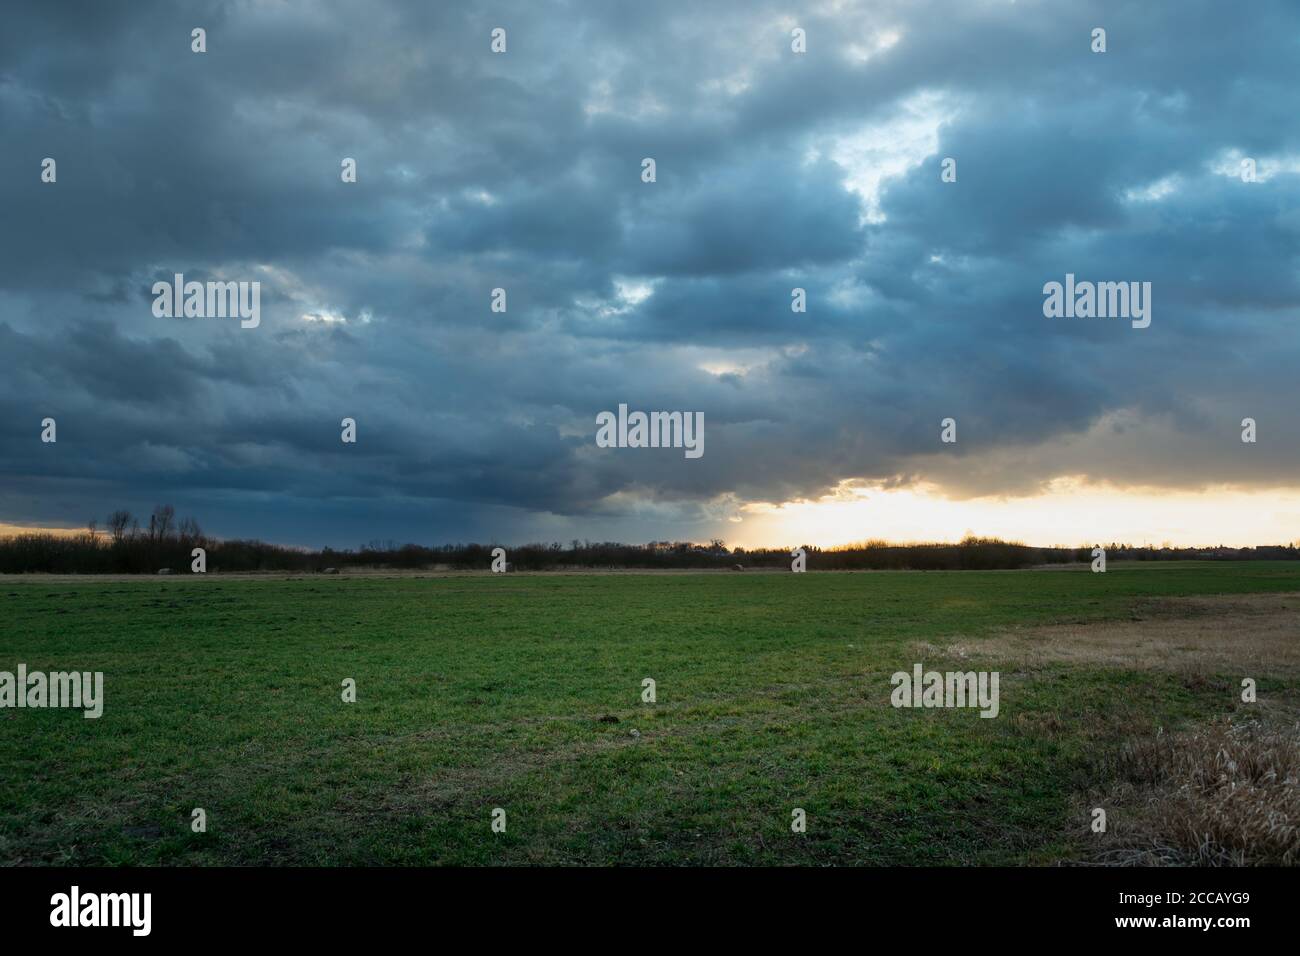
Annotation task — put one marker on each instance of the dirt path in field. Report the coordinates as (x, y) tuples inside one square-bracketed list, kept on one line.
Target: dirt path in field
[(377, 574), (1241, 633)]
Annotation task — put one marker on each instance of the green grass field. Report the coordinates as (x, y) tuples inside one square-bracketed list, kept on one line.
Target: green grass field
[(522, 692)]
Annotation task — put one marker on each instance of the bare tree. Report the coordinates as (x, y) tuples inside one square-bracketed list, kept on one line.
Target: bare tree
[(160, 522), (190, 530), (118, 522)]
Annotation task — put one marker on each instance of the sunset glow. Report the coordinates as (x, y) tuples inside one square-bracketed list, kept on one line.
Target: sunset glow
[(1068, 513)]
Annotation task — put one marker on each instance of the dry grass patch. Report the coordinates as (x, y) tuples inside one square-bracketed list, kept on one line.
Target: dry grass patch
[(1226, 794), (1233, 634)]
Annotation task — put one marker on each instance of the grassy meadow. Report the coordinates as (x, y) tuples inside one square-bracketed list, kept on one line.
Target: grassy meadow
[(523, 692)]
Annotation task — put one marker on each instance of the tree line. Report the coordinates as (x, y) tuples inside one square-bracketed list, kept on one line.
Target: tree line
[(126, 546)]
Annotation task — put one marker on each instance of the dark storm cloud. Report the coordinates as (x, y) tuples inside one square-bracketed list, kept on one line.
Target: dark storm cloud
[(522, 171)]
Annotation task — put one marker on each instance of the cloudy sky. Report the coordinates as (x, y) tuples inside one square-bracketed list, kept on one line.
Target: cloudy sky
[(774, 170)]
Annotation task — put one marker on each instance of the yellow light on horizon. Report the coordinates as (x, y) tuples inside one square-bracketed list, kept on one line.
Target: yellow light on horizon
[(1069, 512)]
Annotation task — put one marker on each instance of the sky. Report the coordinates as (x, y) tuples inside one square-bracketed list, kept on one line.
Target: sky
[(774, 170)]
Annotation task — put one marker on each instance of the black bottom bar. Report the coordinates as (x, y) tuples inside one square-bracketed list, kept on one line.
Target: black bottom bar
[(335, 905)]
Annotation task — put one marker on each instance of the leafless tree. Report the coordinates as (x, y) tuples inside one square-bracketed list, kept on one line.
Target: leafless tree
[(160, 522), (118, 522)]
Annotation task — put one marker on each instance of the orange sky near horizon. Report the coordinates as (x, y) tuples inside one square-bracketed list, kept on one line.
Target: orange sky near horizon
[(7, 530), (1069, 512)]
